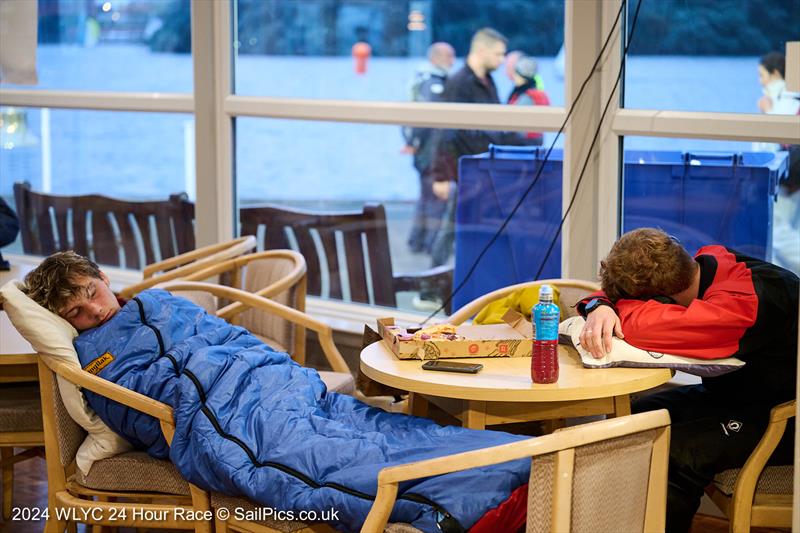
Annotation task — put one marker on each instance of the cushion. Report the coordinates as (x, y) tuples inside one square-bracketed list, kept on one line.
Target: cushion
[(625, 355), (51, 336), (773, 480), (134, 471)]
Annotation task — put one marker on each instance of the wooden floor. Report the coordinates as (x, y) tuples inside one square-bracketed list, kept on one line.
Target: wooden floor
[(30, 492)]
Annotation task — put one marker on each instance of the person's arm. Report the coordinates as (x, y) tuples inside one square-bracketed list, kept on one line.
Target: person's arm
[(708, 329)]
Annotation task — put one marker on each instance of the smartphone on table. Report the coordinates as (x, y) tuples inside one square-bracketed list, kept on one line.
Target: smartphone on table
[(452, 366)]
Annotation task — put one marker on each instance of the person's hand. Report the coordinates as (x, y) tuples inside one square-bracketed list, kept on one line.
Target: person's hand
[(441, 189), (596, 335), (765, 104), (407, 149)]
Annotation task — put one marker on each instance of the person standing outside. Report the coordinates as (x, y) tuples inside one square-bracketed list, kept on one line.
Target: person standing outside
[(472, 84), (527, 90), (428, 86)]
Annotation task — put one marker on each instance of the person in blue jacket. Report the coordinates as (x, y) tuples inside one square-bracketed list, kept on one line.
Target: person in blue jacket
[(249, 421)]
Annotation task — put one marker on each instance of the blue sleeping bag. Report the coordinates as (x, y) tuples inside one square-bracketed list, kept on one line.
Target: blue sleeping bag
[(250, 421)]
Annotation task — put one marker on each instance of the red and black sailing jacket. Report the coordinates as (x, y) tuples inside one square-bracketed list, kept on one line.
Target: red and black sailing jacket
[(746, 308)]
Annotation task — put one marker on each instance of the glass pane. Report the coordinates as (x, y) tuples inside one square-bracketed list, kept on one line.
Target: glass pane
[(741, 195), (695, 55), (116, 45), (375, 50), (125, 156), (369, 173)]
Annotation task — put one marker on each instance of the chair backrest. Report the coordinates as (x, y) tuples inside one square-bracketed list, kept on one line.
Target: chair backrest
[(572, 291), (62, 435), (609, 475), (596, 487), (279, 275), (110, 231), (347, 253)]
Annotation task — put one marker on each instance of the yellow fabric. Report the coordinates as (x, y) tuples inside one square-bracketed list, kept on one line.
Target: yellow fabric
[(521, 301)]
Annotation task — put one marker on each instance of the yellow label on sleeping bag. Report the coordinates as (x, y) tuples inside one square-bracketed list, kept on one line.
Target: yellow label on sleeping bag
[(99, 364)]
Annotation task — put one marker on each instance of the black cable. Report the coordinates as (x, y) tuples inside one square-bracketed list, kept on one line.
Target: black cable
[(594, 141), (541, 167)]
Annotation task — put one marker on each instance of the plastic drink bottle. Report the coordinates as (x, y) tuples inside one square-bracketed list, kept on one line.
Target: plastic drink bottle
[(544, 363)]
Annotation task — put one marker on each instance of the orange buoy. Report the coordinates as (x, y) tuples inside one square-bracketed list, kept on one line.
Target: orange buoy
[(361, 52)]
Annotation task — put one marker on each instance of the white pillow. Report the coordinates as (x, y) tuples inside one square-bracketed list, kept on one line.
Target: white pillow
[(51, 336), (623, 354)]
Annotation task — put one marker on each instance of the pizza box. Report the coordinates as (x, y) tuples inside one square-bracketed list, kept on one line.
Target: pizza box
[(510, 339)]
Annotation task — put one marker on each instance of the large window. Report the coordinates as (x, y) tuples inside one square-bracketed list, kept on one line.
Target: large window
[(115, 45), (371, 50), (694, 55), (296, 165)]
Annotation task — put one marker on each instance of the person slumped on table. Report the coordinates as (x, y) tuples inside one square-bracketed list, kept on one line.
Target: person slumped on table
[(250, 421), (717, 304)]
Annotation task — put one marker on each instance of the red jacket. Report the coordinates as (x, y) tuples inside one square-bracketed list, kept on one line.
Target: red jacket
[(745, 308)]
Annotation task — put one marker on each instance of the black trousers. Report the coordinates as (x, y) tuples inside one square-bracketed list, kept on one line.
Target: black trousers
[(709, 434)]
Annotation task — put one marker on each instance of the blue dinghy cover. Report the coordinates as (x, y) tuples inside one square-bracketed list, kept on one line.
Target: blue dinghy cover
[(252, 422)]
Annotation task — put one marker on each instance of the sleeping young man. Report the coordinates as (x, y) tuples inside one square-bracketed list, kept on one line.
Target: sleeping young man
[(250, 421), (717, 304)]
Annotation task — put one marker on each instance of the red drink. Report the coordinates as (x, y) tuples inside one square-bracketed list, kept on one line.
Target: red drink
[(544, 363)]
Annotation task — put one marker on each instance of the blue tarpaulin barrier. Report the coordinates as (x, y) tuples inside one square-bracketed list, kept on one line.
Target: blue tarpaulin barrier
[(700, 198)]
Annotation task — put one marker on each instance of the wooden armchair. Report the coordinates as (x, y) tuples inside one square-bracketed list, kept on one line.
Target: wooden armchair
[(110, 231), (572, 291), (756, 494), (135, 476), (347, 253)]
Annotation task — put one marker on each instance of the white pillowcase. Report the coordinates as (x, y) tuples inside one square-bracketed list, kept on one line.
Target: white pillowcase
[(623, 354), (51, 336)]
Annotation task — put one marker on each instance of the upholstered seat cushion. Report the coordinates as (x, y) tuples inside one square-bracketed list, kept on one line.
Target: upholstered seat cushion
[(20, 408), (134, 471), (243, 505), (773, 480), (341, 382)]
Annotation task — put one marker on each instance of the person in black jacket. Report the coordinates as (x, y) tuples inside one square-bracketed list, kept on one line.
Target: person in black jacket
[(9, 227), (428, 86), (472, 84)]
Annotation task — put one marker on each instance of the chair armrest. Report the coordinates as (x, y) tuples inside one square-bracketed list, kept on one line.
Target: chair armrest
[(118, 393), (249, 242), (324, 331), (188, 263), (783, 411), (390, 477)]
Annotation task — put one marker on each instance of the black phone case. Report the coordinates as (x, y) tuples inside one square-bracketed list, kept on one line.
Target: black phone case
[(444, 367)]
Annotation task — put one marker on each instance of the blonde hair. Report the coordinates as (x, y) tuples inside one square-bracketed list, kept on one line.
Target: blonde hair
[(646, 262), (55, 281)]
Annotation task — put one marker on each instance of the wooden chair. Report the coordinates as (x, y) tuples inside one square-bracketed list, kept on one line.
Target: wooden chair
[(604, 476), (110, 231), (757, 495), (20, 427), (347, 253), (135, 476), (188, 263), (572, 291)]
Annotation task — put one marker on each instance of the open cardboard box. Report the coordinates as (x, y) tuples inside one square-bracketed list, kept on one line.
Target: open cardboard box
[(511, 339)]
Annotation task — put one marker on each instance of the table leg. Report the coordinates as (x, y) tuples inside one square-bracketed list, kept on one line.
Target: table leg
[(474, 414), (419, 404), (622, 406)]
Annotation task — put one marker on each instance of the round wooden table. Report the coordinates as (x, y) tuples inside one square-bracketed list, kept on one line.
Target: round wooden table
[(503, 393)]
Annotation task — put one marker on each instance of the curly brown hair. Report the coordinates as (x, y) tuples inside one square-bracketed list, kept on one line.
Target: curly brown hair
[(55, 281), (644, 263)]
